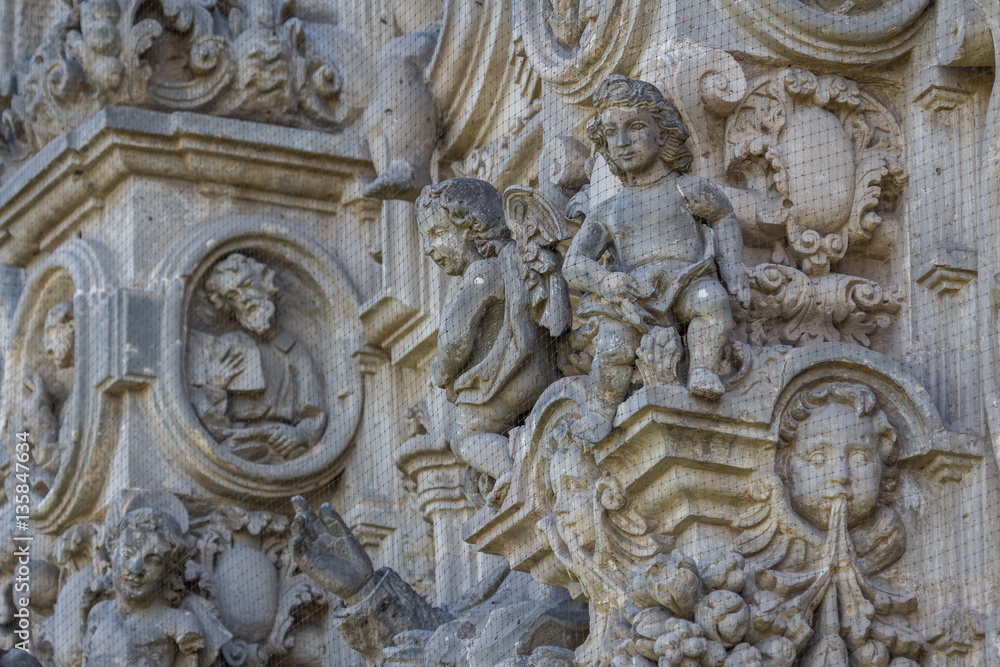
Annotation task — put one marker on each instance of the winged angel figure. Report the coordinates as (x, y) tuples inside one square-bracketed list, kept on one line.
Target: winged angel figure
[(822, 528), (496, 347)]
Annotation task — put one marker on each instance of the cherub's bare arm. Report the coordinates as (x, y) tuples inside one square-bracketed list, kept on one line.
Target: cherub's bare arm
[(580, 268), (707, 201), (482, 287)]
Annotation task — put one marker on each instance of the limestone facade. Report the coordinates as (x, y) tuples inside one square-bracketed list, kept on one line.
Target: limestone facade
[(540, 333)]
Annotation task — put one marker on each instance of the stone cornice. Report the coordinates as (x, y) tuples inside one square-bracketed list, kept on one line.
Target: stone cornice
[(81, 166)]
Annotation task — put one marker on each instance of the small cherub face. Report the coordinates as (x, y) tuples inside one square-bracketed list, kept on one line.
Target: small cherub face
[(139, 566), (573, 479), (836, 455), (632, 137), (249, 299), (450, 246), (58, 336)]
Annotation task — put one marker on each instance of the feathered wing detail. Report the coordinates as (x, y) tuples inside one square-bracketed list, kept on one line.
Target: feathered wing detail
[(537, 229), (770, 537)]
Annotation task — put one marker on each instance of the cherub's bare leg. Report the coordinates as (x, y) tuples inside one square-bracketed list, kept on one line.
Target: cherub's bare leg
[(706, 304), (611, 373), (401, 122), (486, 452)]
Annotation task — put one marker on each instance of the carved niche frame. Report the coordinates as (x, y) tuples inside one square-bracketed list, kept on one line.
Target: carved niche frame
[(187, 443), (77, 270)]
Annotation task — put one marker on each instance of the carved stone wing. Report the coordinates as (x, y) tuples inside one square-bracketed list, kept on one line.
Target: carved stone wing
[(538, 229)]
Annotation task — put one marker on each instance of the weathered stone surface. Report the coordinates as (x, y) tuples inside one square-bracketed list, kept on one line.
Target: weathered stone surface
[(617, 333)]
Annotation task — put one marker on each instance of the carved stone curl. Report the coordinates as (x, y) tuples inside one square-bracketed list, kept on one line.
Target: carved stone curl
[(827, 159), (303, 380), (852, 32)]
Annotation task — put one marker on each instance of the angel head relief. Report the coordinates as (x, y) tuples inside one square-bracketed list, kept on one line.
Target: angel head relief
[(836, 446), (817, 544), (254, 387)]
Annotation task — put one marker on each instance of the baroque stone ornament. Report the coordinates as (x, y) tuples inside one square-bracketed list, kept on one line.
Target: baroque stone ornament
[(389, 623), (247, 59), (495, 345), (824, 529), (575, 44), (816, 206), (666, 264), (263, 409), (854, 32), (256, 389), (53, 384)]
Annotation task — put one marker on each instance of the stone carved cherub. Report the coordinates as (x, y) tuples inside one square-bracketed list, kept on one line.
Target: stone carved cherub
[(145, 623), (823, 530), (256, 390), (495, 344), (597, 535), (43, 410), (664, 265)]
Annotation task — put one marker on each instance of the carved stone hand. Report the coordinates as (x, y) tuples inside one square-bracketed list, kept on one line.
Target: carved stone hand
[(228, 366), (327, 552), (286, 440)]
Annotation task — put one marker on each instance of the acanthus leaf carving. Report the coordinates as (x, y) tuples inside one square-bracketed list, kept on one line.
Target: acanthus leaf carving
[(789, 307)]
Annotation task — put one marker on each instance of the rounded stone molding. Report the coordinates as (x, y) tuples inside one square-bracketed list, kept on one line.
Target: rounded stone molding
[(808, 32), (574, 46), (316, 308), (76, 418)]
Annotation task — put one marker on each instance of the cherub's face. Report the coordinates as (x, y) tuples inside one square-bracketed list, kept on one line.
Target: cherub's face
[(450, 246), (835, 456), (250, 301), (57, 338), (632, 137), (574, 510), (139, 566)]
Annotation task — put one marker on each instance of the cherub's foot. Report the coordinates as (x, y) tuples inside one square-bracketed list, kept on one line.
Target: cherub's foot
[(706, 384), (496, 497), (399, 181), (593, 427)]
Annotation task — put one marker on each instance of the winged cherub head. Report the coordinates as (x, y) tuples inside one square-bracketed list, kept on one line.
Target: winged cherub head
[(462, 221), (834, 442), (635, 128)]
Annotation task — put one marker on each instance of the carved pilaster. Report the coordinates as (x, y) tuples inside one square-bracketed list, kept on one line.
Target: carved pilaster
[(438, 477)]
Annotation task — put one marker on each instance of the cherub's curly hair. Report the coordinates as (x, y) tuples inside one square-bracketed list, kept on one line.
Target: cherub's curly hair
[(215, 284), (471, 204), (158, 524), (621, 91), (865, 404)]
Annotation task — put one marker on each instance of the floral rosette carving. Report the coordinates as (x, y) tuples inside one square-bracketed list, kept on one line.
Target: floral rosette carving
[(246, 59), (827, 160)]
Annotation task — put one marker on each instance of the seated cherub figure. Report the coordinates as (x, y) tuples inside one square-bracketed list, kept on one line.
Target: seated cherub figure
[(143, 624), (495, 352), (664, 264)]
